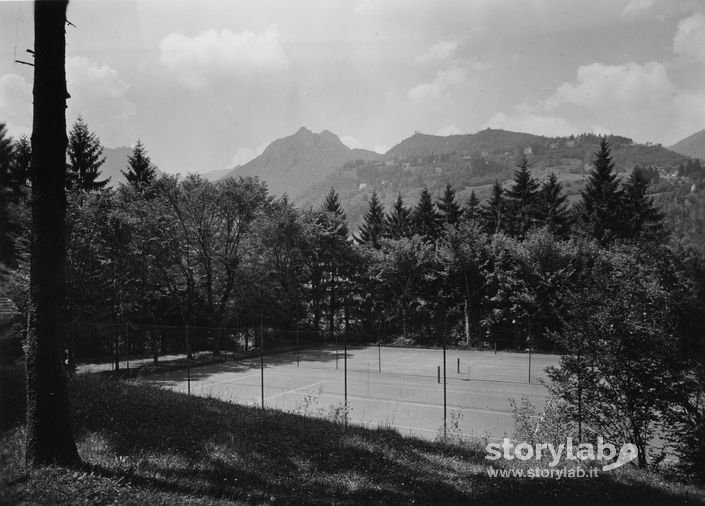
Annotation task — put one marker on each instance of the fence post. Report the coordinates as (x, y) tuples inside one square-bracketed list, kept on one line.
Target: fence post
[(116, 340), (345, 366), (458, 365), (445, 404), (261, 357), (188, 362), (127, 344), (379, 353), (439, 374)]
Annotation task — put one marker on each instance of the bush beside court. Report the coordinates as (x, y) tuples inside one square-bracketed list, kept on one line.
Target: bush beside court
[(142, 444)]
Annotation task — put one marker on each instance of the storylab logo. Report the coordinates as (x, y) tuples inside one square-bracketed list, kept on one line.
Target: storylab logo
[(583, 452)]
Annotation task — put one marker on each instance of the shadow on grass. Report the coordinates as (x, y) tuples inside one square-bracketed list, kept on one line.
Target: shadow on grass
[(151, 444)]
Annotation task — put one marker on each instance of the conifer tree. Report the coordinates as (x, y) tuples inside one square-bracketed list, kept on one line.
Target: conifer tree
[(85, 159), (331, 206), (397, 224), (373, 223), (599, 208), (140, 171), (471, 213), (553, 211), (639, 216), (449, 209), (424, 219), (493, 213), (523, 200)]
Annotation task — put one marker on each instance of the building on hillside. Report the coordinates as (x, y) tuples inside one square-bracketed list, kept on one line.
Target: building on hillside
[(528, 150)]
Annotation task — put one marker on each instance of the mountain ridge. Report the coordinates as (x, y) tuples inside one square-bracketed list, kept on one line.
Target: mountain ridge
[(692, 146), (291, 164)]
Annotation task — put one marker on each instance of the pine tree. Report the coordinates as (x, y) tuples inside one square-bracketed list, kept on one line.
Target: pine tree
[(397, 224), (639, 216), (331, 206), (424, 219), (140, 171), (523, 200), (85, 159), (493, 213), (373, 223), (553, 211), (449, 209), (601, 197), (471, 213)]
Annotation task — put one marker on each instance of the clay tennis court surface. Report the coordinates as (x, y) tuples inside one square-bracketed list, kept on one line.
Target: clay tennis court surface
[(406, 394)]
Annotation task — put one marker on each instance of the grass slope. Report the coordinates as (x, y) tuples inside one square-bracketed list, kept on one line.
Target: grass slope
[(142, 445)]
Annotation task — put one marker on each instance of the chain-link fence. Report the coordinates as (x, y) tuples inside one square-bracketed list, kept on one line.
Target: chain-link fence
[(128, 346)]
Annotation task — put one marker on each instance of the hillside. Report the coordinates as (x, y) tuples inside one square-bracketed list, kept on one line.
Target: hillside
[(692, 146), (292, 164), (473, 162), (147, 445)]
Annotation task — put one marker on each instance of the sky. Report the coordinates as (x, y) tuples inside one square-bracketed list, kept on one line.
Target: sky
[(208, 84)]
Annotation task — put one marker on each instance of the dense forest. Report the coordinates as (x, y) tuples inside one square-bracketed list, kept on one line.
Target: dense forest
[(524, 269)]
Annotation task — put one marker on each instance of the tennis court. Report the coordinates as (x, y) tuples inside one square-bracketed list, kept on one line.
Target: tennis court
[(386, 386)]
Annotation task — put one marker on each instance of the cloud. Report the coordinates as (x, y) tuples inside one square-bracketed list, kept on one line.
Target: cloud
[(351, 142), (448, 130), (635, 7), (689, 41), (438, 89), (244, 155), (440, 51), (100, 95), (639, 101), (222, 54), (609, 87), (16, 104)]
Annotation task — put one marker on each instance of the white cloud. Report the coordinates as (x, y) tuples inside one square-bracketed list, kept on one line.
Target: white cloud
[(615, 87), (639, 101), (217, 54), (244, 155), (448, 130), (382, 149), (443, 82), (100, 95), (440, 51), (351, 142), (689, 41), (636, 7), (16, 104)]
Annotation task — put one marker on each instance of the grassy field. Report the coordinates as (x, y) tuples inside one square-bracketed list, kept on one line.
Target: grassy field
[(142, 444)]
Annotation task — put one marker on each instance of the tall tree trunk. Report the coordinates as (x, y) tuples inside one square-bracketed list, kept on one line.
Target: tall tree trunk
[(49, 438)]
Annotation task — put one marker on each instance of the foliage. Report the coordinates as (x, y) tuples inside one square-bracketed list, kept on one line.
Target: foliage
[(425, 221), (372, 227), (85, 157), (140, 171)]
